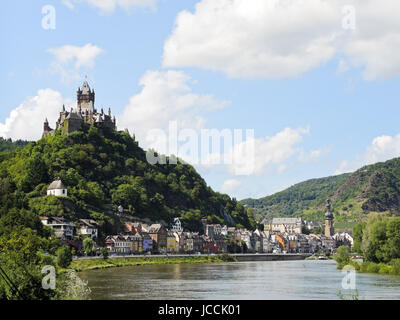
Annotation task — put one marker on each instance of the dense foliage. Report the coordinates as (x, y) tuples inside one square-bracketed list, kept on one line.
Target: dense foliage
[(103, 171), (378, 241), (9, 145)]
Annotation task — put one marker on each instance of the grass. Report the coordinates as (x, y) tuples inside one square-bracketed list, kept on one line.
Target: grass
[(83, 265)]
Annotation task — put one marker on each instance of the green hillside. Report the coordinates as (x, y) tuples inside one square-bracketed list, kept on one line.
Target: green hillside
[(373, 188), (103, 171), (9, 145)]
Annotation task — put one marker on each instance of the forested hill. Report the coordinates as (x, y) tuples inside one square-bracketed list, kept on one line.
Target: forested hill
[(373, 188), (9, 145), (103, 171)]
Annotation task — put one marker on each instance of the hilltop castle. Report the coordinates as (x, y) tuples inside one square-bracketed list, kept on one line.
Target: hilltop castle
[(85, 113)]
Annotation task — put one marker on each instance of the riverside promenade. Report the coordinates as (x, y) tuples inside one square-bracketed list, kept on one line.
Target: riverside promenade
[(240, 257)]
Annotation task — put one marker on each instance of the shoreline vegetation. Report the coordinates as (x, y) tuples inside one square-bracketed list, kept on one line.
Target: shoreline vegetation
[(391, 268), (86, 265), (378, 241)]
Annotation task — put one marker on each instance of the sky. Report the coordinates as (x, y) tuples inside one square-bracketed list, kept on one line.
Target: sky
[(316, 82)]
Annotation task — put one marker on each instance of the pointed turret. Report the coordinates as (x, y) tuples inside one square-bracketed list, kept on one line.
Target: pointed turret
[(86, 97)]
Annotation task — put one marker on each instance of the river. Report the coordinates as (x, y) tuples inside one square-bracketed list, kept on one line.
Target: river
[(233, 281)]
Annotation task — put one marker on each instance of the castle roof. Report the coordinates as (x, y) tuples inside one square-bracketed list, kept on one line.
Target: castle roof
[(74, 116), (56, 185)]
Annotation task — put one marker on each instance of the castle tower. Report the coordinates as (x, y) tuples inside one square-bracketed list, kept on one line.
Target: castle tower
[(46, 128), (329, 231), (85, 97)]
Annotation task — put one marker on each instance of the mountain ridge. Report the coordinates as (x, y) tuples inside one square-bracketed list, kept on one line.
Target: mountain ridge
[(372, 188)]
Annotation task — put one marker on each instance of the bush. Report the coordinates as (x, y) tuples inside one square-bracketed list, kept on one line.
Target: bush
[(342, 255), (385, 269), (228, 258), (356, 265), (104, 253), (373, 267), (64, 257), (395, 264)]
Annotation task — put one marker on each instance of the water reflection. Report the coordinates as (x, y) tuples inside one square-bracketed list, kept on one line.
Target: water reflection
[(244, 280)]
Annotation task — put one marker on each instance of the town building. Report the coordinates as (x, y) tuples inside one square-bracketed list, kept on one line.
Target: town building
[(329, 231), (57, 188), (63, 229), (188, 242), (343, 239), (177, 225), (197, 242), (172, 242), (289, 225), (159, 235), (136, 242), (119, 244), (88, 227), (147, 242)]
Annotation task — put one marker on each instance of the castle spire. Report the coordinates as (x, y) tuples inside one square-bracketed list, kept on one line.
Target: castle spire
[(109, 112)]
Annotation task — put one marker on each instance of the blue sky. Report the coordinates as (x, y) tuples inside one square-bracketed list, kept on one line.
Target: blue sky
[(339, 102)]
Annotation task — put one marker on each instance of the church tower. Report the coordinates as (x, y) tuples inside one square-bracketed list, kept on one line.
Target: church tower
[(85, 98), (329, 232)]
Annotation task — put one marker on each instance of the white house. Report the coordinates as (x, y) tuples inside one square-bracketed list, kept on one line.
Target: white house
[(57, 189), (177, 226), (88, 227), (63, 229)]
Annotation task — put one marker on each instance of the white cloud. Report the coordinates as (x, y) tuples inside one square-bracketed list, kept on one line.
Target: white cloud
[(26, 121), (69, 4), (382, 148), (269, 151), (272, 38), (109, 6), (342, 66), (230, 186), (69, 60), (166, 96), (313, 155)]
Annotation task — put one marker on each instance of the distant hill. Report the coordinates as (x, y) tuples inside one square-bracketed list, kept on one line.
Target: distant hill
[(103, 170), (9, 145), (373, 188)]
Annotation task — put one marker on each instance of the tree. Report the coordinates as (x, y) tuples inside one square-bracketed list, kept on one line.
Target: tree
[(20, 261), (64, 256), (342, 255), (88, 245), (393, 236), (358, 231), (377, 249), (104, 253)]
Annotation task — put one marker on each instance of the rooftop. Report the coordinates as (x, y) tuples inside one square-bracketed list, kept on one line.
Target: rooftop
[(56, 185)]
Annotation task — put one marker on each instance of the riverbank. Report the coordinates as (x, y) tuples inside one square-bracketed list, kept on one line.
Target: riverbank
[(84, 265), (392, 268)]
